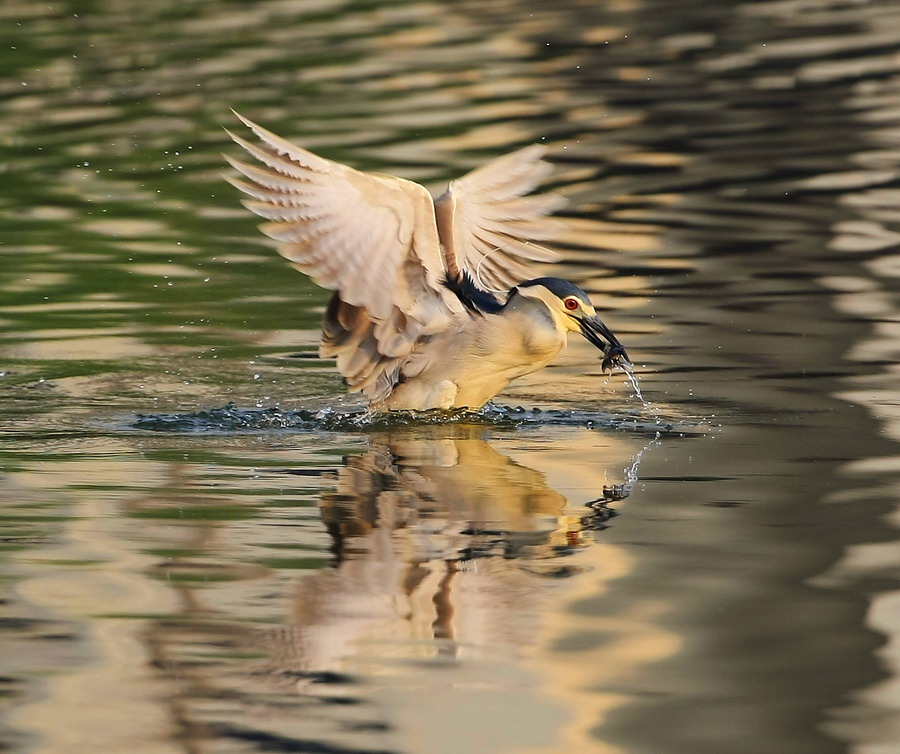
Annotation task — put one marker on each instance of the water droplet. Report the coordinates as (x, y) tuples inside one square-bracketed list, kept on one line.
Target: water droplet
[(632, 379)]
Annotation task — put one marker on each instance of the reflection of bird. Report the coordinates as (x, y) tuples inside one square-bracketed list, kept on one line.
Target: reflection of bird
[(437, 536), (413, 323), (440, 535)]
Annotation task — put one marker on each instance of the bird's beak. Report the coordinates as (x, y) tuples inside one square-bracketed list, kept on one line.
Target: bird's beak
[(601, 336)]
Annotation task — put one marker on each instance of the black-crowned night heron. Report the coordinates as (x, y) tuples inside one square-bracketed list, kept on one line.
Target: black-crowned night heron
[(416, 321)]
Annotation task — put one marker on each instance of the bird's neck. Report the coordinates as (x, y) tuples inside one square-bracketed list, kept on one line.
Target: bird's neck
[(526, 330)]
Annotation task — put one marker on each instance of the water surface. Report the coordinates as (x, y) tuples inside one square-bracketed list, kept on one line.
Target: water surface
[(203, 549)]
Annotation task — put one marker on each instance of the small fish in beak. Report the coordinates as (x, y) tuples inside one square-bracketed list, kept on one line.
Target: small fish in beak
[(614, 356), (614, 353)]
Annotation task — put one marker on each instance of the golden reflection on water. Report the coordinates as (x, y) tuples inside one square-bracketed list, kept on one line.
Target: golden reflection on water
[(585, 679), (449, 556), (447, 553), (108, 698)]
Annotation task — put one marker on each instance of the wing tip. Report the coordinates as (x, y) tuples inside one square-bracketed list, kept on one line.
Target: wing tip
[(279, 146), (246, 121)]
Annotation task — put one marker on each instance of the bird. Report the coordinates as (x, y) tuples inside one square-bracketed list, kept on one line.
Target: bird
[(434, 304)]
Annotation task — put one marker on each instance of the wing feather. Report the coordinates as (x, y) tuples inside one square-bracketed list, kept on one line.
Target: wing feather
[(486, 213), (264, 177), (370, 237)]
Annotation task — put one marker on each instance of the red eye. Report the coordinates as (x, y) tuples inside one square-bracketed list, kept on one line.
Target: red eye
[(571, 303)]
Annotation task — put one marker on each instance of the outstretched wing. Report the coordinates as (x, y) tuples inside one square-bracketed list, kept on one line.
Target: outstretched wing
[(487, 224), (371, 238)]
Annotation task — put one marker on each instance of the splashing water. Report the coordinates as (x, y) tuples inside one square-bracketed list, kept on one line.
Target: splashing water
[(631, 473), (632, 379), (234, 419), (601, 508), (614, 355)]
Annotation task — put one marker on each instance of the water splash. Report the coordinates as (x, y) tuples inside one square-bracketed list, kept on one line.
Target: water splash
[(631, 473), (632, 379), (232, 419), (602, 508)]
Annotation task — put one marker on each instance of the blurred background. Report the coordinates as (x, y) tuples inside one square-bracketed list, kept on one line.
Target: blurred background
[(200, 553)]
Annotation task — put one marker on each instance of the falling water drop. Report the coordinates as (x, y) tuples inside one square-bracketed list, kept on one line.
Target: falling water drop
[(628, 368)]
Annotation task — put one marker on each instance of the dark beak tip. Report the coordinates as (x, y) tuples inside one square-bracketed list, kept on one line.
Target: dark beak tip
[(597, 333)]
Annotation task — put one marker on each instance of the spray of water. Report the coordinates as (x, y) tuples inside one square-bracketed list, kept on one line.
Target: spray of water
[(632, 379), (631, 473)]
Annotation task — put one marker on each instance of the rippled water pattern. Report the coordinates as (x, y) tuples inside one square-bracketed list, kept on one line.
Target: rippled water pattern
[(205, 546)]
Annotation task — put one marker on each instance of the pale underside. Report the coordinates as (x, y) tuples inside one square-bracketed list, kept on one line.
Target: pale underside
[(385, 246)]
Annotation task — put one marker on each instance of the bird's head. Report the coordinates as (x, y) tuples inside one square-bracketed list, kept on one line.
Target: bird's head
[(572, 311)]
